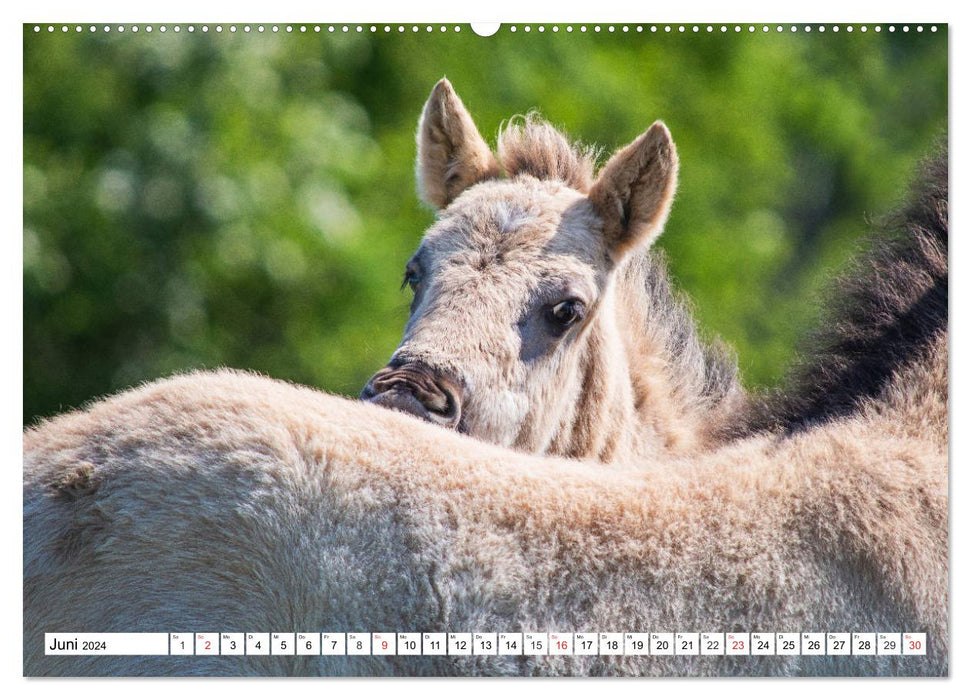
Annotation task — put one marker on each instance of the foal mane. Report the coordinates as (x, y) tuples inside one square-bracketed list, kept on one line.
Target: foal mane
[(701, 375)]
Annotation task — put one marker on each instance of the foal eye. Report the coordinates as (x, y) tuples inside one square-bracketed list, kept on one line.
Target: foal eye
[(412, 277), (565, 314)]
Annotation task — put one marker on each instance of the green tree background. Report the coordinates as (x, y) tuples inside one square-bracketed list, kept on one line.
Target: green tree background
[(247, 200)]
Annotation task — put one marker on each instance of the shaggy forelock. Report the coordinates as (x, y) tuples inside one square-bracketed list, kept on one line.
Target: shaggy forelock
[(531, 146)]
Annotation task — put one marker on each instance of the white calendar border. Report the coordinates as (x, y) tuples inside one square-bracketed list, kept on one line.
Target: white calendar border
[(11, 645)]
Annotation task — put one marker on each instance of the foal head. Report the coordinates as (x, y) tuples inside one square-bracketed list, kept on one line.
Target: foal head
[(512, 329)]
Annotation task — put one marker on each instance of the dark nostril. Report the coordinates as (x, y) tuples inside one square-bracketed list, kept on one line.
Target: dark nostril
[(452, 405), (443, 403)]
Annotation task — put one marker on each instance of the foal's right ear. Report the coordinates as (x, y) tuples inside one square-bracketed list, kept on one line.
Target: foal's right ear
[(452, 155), (634, 191)]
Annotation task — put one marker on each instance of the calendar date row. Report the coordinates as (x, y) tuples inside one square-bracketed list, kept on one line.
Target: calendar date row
[(490, 643)]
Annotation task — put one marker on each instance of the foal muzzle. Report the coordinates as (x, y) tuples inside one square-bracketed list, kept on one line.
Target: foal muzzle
[(415, 388)]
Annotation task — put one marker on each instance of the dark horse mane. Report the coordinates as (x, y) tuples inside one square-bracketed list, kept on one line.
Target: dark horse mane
[(882, 315)]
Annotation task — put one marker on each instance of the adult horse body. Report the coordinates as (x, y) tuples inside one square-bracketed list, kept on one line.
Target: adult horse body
[(229, 502)]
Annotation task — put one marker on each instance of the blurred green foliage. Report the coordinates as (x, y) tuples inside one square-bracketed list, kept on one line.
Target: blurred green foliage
[(247, 200)]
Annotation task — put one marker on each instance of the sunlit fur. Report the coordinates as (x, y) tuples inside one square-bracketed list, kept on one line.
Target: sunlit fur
[(230, 502), (534, 225)]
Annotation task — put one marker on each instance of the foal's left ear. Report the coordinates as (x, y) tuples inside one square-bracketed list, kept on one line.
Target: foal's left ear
[(634, 190)]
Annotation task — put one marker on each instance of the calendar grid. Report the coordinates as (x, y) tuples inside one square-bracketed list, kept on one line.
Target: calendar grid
[(487, 644)]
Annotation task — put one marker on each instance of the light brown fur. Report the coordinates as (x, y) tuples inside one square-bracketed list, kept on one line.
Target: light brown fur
[(504, 250), (453, 155), (230, 502)]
